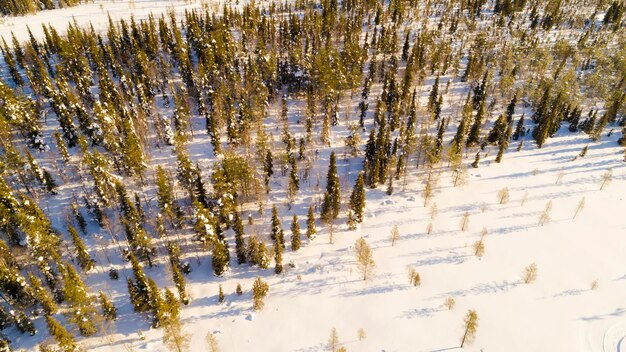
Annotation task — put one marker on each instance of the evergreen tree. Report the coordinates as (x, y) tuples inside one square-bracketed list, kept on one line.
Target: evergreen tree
[(84, 260), (109, 311), (295, 234), (332, 197), (61, 335), (44, 298), (294, 180), (474, 134), (277, 231), (220, 257), (310, 224), (278, 255), (259, 291), (239, 241), (434, 95)]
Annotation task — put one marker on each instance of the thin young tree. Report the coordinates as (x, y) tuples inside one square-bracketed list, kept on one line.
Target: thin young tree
[(471, 325), (364, 257), (580, 207), (395, 235), (333, 340)]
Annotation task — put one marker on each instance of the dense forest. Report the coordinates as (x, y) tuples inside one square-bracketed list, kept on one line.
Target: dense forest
[(175, 136), (23, 7)]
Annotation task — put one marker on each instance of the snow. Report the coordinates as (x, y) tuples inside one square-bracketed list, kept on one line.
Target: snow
[(322, 289), (558, 312), (96, 13)]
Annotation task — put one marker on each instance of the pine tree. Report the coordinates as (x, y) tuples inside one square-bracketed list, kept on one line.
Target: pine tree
[(132, 151), (259, 291), (357, 198), (268, 168), (239, 241), (23, 323), (80, 219), (44, 298), (295, 234), (139, 290), (277, 231), (61, 335), (332, 197), (474, 133), (504, 143), (310, 224), (294, 180), (109, 311), (61, 147), (220, 257), (84, 260), (434, 95), (278, 255)]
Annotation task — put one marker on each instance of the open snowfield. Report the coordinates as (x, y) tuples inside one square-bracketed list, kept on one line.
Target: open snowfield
[(97, 13), (561, 311)]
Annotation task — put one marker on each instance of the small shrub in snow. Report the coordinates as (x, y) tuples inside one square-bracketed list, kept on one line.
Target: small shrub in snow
[(220, 295), (524, 199), (395, 235), (606, 178), (239, 291), (594, 284), (530, 274), (449, 303), (579, 208), (433, 211), (479, 249), (211, 343), (361, 334), (465, 221), (414, 277), (503, 196)]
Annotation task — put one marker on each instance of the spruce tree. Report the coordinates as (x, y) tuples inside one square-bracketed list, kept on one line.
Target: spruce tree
[(109, 311), (44, 298), (259, 291), (61, 335), (239, 241), (220, 257), (278, 255), (277, 231), (332, 197), (295, 234), (310, 224), (82, 256)]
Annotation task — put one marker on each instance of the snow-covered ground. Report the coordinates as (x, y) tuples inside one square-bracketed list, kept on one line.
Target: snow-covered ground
[(558, 312), (97, 13)]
